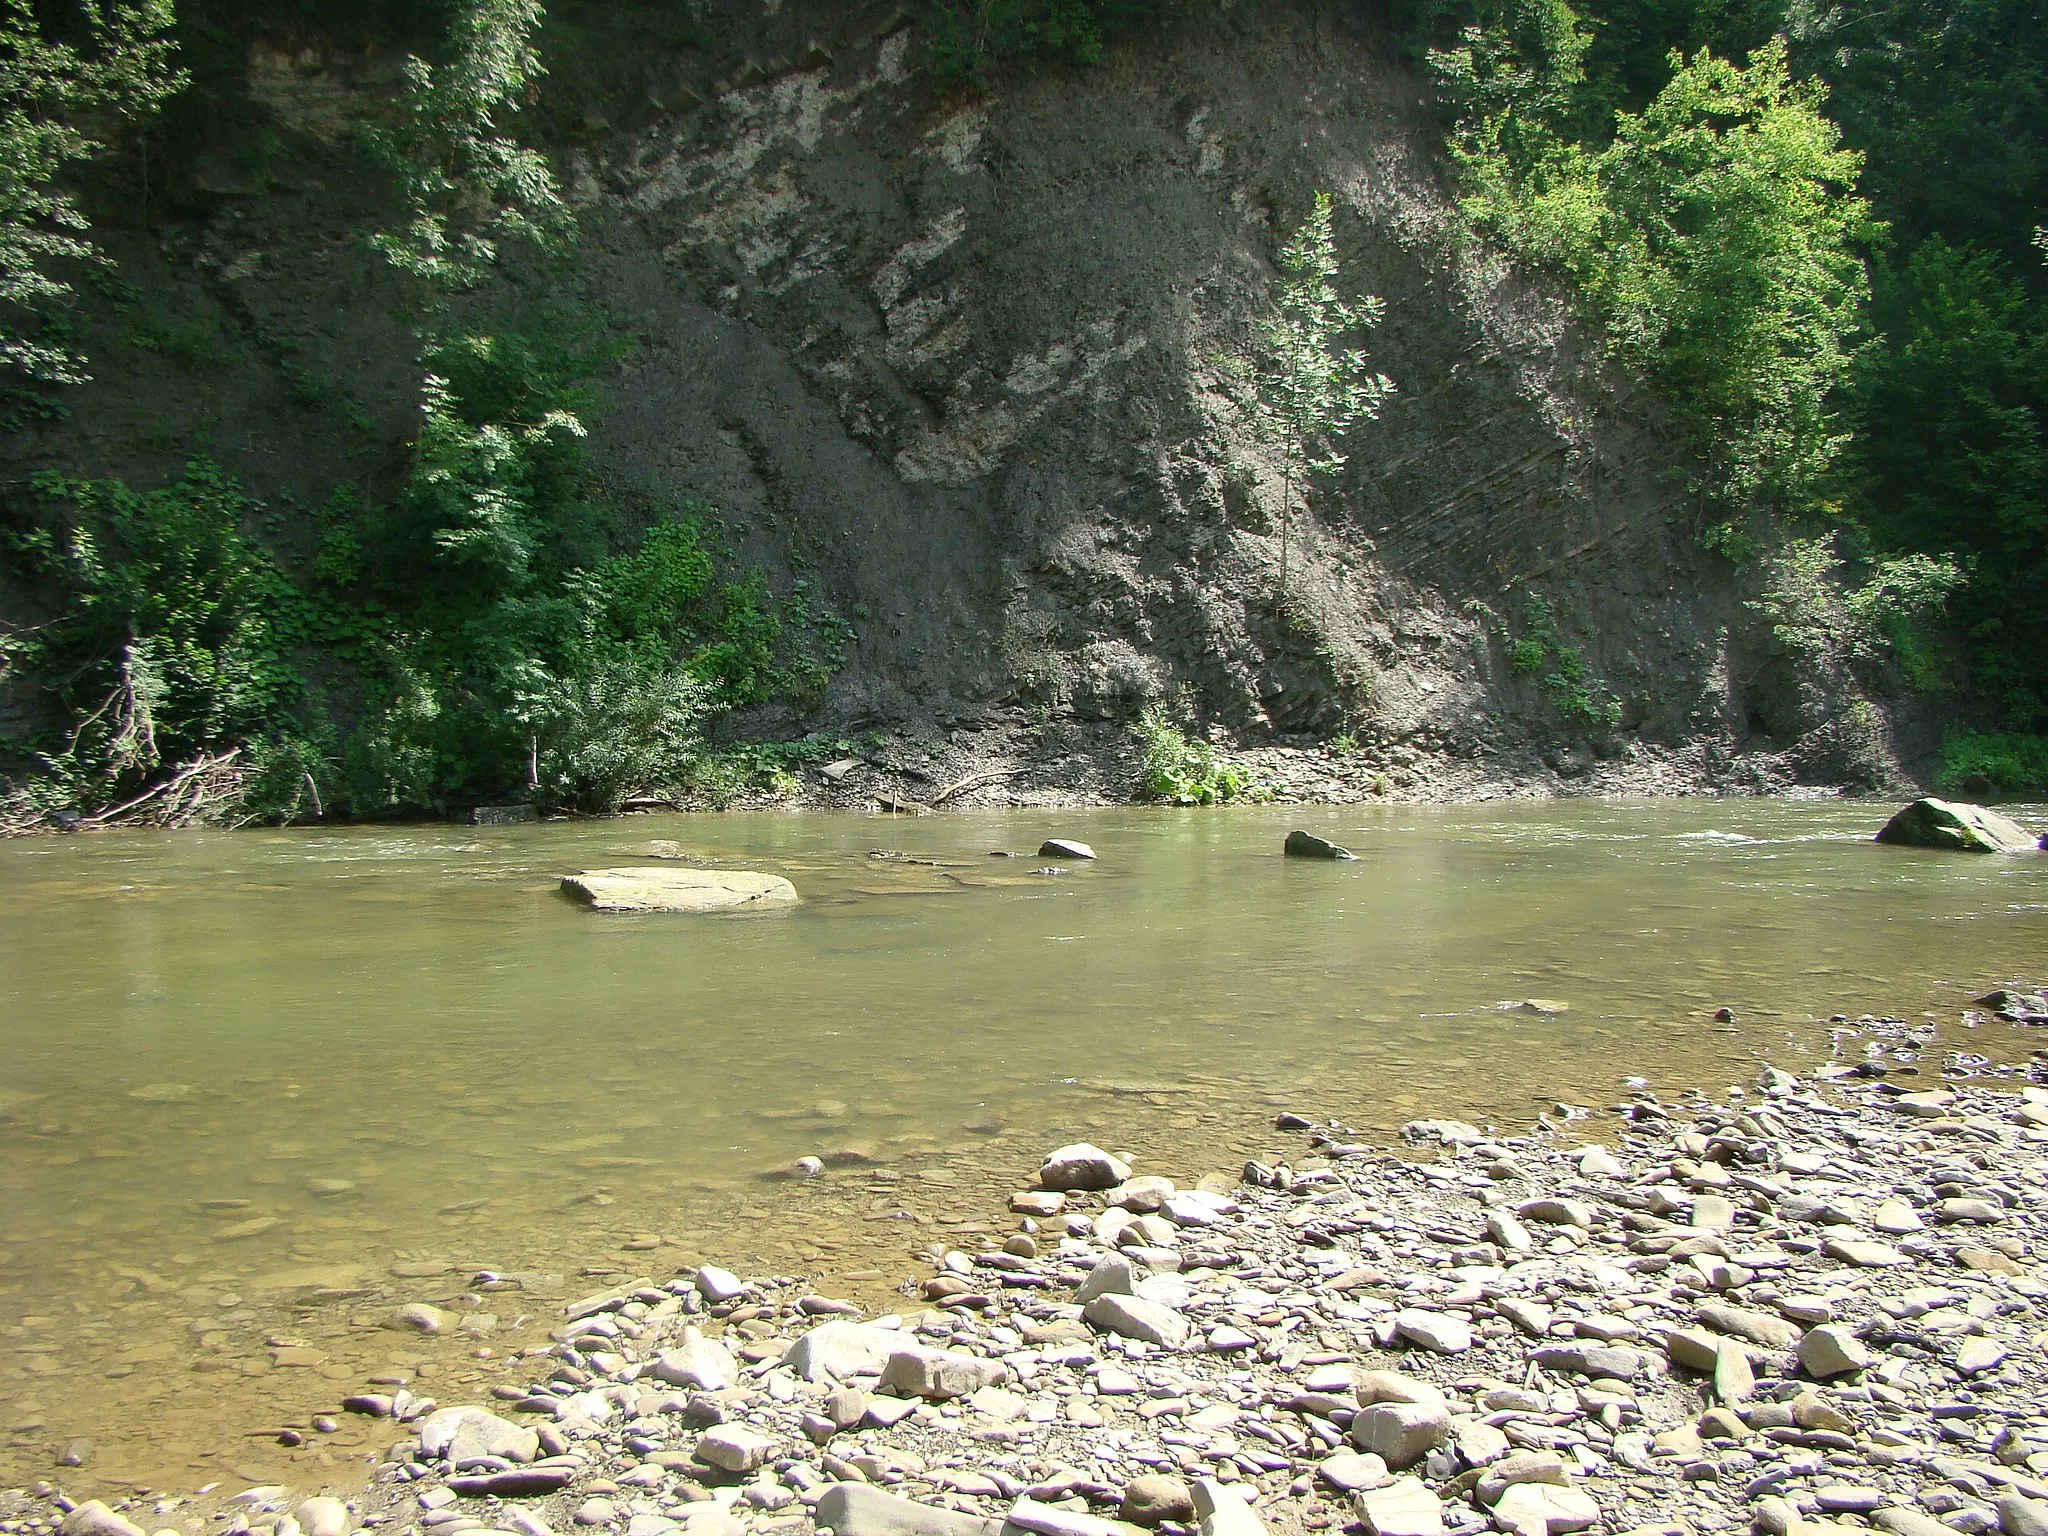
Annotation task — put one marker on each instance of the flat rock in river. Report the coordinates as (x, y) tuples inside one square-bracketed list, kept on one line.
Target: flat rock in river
[(677, 890), (1932, 823)]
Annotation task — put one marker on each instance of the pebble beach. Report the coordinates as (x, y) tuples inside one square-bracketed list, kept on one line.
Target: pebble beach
[(1809, 1304)]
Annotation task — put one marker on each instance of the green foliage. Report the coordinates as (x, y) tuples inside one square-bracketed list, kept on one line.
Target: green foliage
[(2011, 763), (1572, 692), (1182, 770), (1714, 240), (55, 97), (1818, 615), (468, 187), (173, 636), (1948, 100), (1311, 390), (971, 38), (1951, 452)]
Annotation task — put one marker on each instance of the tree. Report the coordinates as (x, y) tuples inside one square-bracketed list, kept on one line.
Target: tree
[(1311, 392), (1716, 240), (54, 97), (467, 186)]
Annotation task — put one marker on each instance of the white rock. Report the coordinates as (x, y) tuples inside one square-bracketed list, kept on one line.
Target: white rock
[(1135, 1318), (93, 1518), (938, 1374), (1082, 1166), (1543, 1509), (1353, 1472), (1832, 1350), (1112, 1274), (736, 1448), (717, 1285), (841, 1351), (1435, 1331), (1220, 1510), (1400, 1433), (697, 1362), (1405, 1507), (323, 1517), (856, 1509)]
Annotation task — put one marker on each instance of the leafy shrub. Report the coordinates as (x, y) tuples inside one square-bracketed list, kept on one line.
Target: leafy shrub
[(2013, 763), (1572, 692), (1184, 770), (1713, 238), (1815, 612), (172, 636)]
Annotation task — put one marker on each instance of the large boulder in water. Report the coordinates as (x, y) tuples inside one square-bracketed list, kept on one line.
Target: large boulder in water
[(1932, 823), (677, 890)]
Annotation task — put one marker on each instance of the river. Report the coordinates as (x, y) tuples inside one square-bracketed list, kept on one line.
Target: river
[(256, 1089)]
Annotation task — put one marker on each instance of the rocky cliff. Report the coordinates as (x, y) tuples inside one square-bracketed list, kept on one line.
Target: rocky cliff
[(971, 363)]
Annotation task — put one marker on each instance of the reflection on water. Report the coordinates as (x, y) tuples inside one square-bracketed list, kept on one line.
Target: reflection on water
[(255, 1089)]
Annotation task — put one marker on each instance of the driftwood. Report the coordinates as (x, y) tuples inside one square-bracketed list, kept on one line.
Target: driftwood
[(972, 781), (201, 792)]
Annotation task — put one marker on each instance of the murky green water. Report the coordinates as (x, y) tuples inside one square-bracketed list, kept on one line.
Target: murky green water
[(245, 1077)]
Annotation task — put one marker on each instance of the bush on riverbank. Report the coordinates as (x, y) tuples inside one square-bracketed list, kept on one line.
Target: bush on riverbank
[(1184, 770), (2009, 763)]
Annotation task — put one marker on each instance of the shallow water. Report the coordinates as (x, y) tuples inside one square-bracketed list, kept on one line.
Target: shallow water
[(245, 1077)]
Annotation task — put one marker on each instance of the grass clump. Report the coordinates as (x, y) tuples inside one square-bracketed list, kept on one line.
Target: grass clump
[(1177, 769)]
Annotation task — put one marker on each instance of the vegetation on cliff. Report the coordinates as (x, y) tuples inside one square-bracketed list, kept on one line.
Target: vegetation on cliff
[(1814, 235)]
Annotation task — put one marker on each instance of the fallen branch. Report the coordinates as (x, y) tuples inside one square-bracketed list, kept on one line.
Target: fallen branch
[(971, 781)]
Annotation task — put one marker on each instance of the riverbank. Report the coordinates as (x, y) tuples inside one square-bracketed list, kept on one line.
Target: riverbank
[(1807, 1301), (1014, 765)]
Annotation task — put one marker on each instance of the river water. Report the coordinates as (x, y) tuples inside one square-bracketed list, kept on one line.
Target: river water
[(257, 1089)]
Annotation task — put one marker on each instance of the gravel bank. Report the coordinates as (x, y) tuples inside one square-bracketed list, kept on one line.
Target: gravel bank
[(1810, 1305)]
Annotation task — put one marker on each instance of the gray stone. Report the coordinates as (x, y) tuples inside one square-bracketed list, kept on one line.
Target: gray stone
[(856, 1509), (93, 1518), (938, 1374), (1154, 1498), (1405, 1507), (1434, 1331), (1222, 1511), (1544, 1509), (1064, 848), (465, 1434), (1082, 1166), (2019, 1515), (1832, 1350), (323, 1516), (1135, 1318), (1850, 1499), (1903, 1521), (1980, 1355), (1306, 845), (1931, 823), (1523, 1467), (1864, 1255), (1555, 1212), (1590, 1360), (1112, 1274), (652, 889), (1758, 1327), (1353, 1472), (736, 1448), (717, 1285), (697, 1362), (839, 1351), (1401, 1434)]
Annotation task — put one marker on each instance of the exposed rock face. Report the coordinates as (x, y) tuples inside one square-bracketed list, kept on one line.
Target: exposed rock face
[(1932, 823), (974, 363), (677, 890)]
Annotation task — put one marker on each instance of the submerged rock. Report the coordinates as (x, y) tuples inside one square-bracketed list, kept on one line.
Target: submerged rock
[(677, 890), (1306, 845), (1932, 823), (1064, 848)]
